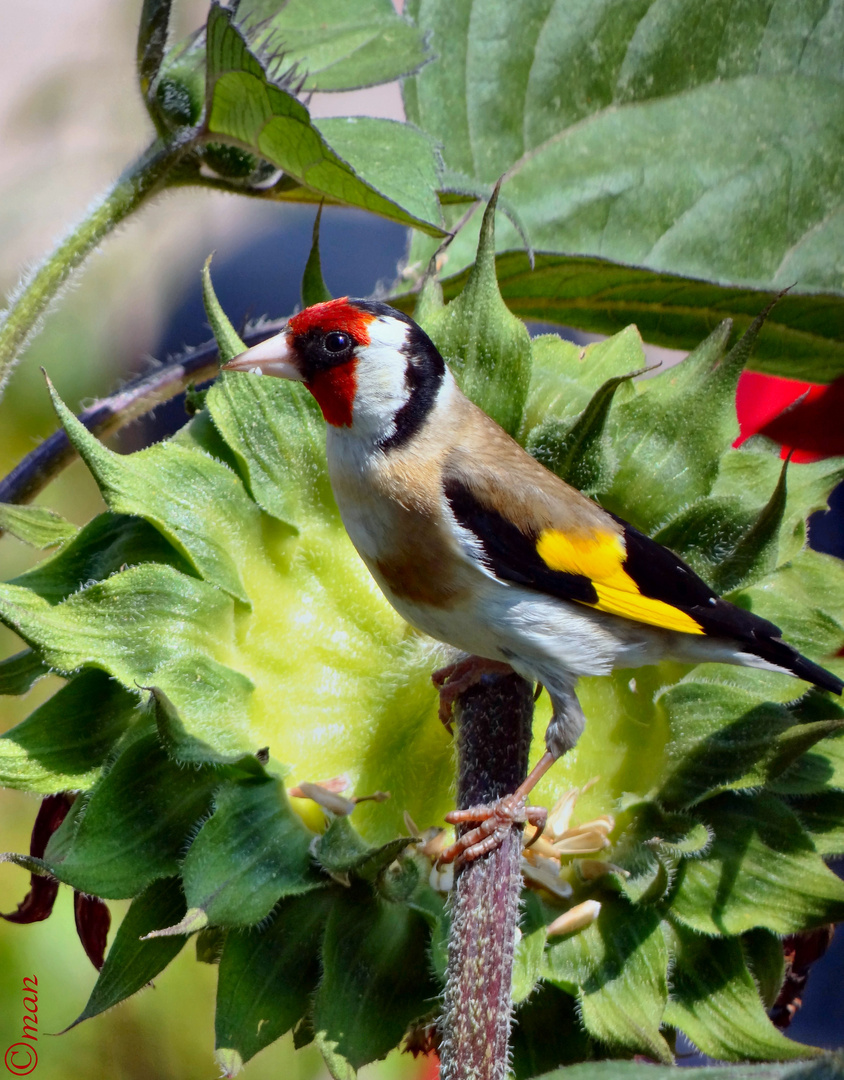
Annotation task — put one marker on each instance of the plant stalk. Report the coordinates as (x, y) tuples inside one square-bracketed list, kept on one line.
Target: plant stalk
[(28, 303), (493, 739), (111, 414)]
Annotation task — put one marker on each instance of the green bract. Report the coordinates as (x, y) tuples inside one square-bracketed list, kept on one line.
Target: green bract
[(218, 608)]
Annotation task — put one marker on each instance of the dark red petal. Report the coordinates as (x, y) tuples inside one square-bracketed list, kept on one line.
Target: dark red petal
[(760, 399), (93, 920), (51, 814), (801, 951), (815, 425), (37, 905)]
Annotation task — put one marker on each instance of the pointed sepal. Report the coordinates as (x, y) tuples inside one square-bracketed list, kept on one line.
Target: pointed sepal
[(228, 341), (487, 347), (250, 853), (314, 289), (133, 959)]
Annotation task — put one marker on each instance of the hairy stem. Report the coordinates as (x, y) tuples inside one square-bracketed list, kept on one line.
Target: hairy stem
[(146, 176), (109, 415), (494, 722)]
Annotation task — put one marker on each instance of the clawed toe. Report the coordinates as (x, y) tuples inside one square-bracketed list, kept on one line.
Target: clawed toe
[(455, 679), (493, 823)]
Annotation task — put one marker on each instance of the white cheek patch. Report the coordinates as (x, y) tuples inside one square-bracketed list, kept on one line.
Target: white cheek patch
[(387, 334), (381, 386)]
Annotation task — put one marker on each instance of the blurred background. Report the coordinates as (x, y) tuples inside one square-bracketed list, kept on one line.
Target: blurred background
[(70, 119)]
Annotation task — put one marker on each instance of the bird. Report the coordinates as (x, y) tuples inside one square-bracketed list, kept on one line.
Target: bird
[(478, 545)]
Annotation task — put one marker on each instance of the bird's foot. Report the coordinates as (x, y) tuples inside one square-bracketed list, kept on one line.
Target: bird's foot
[(454, 679), (493, 822)]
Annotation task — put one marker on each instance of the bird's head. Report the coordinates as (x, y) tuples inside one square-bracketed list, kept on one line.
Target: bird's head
[(372, 370)]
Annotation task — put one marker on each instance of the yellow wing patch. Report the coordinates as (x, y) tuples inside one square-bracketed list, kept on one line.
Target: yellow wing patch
[(600, 556)]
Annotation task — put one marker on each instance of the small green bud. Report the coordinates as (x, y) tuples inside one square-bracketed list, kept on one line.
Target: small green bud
[(179, 96), (230, 161)]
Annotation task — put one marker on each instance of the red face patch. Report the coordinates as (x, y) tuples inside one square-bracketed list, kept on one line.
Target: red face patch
[(334, 391), (336, 314)]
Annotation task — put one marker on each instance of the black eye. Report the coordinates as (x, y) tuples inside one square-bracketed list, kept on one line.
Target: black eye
[(335, 342)]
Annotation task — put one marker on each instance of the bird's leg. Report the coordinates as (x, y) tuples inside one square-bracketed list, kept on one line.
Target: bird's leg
[(454, 679), (495, 819)]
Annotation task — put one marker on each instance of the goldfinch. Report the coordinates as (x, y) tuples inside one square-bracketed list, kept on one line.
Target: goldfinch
[(478, 545)]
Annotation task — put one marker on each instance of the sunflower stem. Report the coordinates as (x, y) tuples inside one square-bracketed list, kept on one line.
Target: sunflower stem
[(493, 739), (144, 177)]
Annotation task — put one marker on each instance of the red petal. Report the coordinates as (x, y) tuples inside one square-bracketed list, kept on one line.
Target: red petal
[(815, 425), (812, 429), (37, 905), (93, 920), (51, 814)]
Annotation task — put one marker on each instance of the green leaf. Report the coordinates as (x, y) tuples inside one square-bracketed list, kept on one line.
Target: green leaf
[(677, 426), (130, 625), (822, 815), (19, 673), (756, 467), (267, 975), (565, 377), (763, 951), (762, 870), (579, 452), (277, 433), (805, 598), (802, 337), (134, 827), (216, 693), (132, 963), (650, 847), (193, 500), (707, 530), (398, 159), (530, 947), (35, 525), (672, 183), (229, 343), (252, 851), (618, 968), (336, 44), (715, 1002), (214, 700), (374, 978), (64, 743), (615, 145), (547, 1031), (342, 851), (314, 290), (722, 737), (378, 165), (108, 543), (487, 348), (821, 768)]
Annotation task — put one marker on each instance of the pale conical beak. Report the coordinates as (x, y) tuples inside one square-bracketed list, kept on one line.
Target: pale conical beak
[(271, 357)]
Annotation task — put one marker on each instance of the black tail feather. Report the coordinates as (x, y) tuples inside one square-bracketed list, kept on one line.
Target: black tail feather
[(779, 652)]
